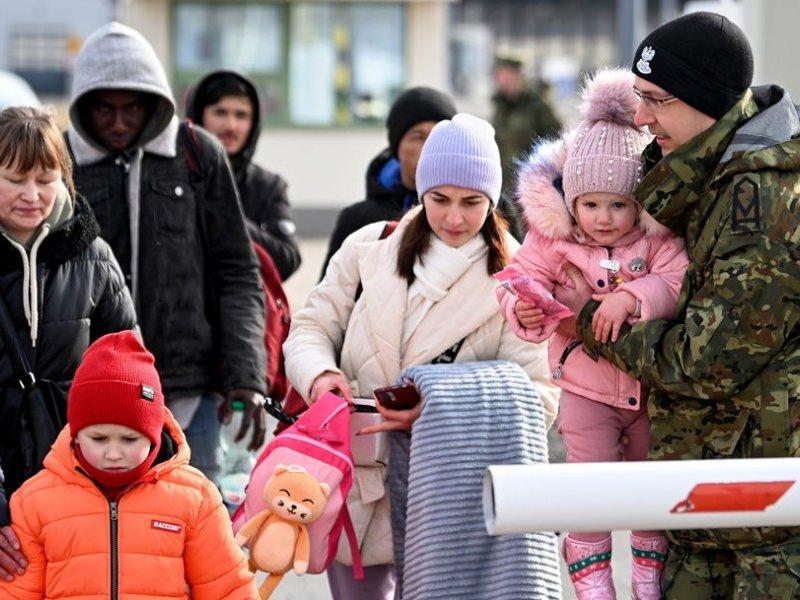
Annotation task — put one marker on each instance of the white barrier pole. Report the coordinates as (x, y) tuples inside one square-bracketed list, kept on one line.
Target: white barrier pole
[(690, 494)]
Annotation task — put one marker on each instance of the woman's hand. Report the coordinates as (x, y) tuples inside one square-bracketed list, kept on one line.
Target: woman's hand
[(529, 315), (330, 381), (614, 310), (394, 420)]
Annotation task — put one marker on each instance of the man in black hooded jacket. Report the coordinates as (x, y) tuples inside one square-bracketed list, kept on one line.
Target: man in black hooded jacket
[(391, 174), (226, 104)]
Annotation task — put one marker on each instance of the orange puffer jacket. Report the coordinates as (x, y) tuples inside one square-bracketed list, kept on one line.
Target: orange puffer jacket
[(168, 536)]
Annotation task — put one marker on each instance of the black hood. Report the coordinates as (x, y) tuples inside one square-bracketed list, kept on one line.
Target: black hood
[(198, 98)]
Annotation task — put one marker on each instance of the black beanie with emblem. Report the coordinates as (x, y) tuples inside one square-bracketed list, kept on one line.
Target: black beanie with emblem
[(702, 58), (413, 106)]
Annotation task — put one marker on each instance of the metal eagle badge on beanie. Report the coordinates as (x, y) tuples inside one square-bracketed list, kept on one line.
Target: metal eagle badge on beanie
[(644, 61)]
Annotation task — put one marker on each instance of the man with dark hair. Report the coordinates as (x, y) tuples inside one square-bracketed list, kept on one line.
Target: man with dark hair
[(390, 176), (724, 373), (179, 238), (226, 104)]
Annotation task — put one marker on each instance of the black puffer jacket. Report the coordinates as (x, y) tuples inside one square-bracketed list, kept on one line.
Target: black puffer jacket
[(262, 193), (82, 296)]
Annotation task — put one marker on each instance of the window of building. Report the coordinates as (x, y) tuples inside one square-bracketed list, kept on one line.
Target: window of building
[(40, 56), (317, 64)]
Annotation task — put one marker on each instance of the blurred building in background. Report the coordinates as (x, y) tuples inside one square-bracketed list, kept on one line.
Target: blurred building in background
[(327, 71)]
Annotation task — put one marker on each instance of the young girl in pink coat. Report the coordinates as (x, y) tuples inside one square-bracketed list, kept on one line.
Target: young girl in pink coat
[(577, 193)]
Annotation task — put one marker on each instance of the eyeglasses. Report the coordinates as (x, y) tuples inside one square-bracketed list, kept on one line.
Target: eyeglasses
[(653, 103)]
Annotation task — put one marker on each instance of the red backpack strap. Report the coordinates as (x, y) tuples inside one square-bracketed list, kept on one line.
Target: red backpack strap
[(388, 229), (192, 151), (350, 532)]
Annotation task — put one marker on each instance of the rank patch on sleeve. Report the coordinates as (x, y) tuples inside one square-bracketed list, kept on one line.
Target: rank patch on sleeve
[(746, 216)]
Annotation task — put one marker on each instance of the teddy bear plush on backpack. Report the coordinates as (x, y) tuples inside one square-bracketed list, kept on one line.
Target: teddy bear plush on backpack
[(277, 536)]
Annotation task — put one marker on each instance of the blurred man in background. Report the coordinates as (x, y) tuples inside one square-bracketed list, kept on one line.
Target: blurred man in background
[(520, 115)]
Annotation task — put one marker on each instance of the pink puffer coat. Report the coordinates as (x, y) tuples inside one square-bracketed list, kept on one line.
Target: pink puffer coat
[(652, 263)]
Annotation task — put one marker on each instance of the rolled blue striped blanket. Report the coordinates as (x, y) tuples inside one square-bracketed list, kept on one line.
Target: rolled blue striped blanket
[(474, 415)]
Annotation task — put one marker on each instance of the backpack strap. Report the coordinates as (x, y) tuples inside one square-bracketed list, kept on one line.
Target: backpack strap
[(350, 532), (449, 356), (192, 153)]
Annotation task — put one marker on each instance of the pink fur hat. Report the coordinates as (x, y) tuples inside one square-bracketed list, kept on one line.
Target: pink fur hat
[(605, 152)]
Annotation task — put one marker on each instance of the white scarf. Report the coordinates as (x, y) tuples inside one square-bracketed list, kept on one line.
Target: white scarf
[(435, 273)]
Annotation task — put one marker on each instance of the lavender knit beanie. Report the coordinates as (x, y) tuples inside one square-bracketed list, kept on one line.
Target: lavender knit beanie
[(605, 152), (461, 152)]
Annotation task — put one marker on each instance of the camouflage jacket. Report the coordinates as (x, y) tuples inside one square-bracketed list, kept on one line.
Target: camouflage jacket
[(725, 372), (517, 123)]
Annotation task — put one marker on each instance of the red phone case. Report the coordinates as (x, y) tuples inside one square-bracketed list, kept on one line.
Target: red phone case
[(397, 397)]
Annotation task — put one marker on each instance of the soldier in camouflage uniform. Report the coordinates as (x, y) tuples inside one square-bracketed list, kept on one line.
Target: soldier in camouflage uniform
[(724, 173), (520, 115)]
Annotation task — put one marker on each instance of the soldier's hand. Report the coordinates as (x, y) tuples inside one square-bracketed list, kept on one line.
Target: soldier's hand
[(252, 412), (12, 562), (614, 310)]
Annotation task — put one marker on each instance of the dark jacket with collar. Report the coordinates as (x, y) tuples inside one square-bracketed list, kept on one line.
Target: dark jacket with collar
[(196, 287), (262, 193), (382, 203), (82, 296)]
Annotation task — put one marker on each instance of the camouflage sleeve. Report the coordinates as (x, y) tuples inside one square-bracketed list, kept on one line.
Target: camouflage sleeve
[(736, 322)]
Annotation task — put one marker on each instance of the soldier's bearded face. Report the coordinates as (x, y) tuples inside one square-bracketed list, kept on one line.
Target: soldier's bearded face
[(673, 122)]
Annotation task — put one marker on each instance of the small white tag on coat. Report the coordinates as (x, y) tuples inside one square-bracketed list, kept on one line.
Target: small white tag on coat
[(611, 265)]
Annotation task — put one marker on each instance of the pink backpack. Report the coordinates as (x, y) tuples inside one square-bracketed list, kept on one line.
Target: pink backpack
[(320, 443)]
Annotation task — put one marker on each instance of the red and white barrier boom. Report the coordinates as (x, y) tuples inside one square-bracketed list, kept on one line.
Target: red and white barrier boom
[(689, 494)]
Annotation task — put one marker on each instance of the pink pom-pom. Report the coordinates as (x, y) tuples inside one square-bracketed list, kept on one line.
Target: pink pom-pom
[(609, 96)]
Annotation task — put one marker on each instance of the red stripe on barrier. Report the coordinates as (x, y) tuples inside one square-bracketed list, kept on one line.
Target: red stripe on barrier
[(728, 497)]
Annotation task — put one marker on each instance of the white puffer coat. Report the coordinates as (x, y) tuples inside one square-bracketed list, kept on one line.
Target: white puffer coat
[(369, 337)]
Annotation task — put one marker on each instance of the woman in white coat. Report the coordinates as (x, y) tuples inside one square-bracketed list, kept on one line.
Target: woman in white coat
[(426, 288)]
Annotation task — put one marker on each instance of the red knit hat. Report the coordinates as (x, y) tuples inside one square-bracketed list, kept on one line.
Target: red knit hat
[(117, 383)]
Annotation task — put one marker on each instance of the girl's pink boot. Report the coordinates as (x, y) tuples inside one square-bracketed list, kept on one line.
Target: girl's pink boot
[(589, 566), (649, 556)]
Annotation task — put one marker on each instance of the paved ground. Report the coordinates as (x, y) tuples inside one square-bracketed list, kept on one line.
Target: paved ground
[(315, 587)]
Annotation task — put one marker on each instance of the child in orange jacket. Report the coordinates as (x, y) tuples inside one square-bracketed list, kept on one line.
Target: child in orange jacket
[(117, 512)]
